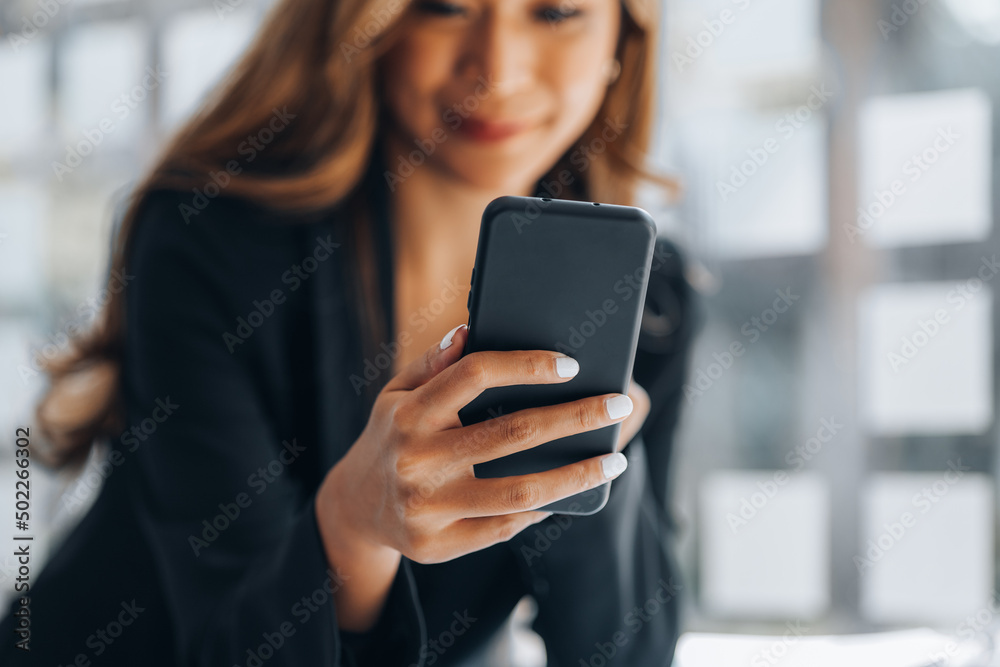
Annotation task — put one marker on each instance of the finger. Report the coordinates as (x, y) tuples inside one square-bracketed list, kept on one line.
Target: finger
[(494, 438), (633, 423), (519, 493), (459, 383), (484, 532), (435, 359), (640, 397)]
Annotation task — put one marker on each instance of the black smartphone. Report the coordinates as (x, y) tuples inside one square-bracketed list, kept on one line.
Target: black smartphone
[(568, 276)]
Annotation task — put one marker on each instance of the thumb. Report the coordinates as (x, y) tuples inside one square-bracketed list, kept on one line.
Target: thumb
[(434, 360)]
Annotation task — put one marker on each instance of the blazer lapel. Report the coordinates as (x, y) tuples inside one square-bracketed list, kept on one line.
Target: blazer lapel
[(343, 409), (336, 353)]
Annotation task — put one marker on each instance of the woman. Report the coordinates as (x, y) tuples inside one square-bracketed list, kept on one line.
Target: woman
[(282, 495)]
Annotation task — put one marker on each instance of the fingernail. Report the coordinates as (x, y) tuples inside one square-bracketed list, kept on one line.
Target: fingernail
[(614, 465), (567, 367), (446, 341), (618, 406)]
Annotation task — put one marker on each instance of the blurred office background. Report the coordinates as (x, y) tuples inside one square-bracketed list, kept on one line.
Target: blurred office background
[(836, 464)]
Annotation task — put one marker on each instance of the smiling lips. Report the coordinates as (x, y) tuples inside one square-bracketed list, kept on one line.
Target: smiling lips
[(485, 130)]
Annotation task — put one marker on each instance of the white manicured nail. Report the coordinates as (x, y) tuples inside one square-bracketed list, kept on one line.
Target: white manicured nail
[(614, 465), (618, 406), (567, 367), (446, 341)]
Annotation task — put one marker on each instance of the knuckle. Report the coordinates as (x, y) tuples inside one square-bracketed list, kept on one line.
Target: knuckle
[(580, 478), (517, 430), (522, 495), (406, 465), (415, 487), (533, 366), (426, 361), (404, 415), (407, 470), (407, 492), (586, 417), (474, 370)]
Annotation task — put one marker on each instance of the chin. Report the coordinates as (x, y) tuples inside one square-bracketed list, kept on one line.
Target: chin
[(507, 174)]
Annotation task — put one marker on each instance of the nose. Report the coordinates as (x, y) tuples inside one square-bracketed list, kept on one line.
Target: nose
[(500, 50)]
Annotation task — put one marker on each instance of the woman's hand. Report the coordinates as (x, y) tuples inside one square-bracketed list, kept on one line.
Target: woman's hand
[(407, 485), (632, 423)]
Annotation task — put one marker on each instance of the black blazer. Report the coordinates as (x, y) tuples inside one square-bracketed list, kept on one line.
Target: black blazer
[(232, 411)]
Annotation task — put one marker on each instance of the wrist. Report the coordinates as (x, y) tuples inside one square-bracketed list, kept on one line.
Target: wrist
[(367, 567), (344, 540)]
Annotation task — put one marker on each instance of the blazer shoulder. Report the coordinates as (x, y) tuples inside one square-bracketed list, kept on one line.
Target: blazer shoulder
[(231, 235), (172, 211)]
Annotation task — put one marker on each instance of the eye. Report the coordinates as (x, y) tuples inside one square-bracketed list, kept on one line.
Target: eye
[(435, 8), (559, 14)]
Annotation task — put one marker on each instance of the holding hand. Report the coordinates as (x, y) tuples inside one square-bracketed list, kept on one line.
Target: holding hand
[(407, 485)]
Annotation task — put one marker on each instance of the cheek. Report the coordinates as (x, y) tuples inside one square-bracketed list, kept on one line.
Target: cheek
[(581, 91), (575, 76), (578, 89), (414, 74)]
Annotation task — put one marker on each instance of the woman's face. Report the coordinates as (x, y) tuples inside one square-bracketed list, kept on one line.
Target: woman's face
[(493, 92)]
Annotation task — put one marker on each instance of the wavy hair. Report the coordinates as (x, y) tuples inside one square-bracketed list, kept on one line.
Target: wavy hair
[(319, 59)]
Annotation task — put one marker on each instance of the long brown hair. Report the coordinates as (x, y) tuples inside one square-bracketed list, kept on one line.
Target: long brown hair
[(319, 60)]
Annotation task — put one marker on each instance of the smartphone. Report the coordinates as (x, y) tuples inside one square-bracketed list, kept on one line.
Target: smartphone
[(567, 276)]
